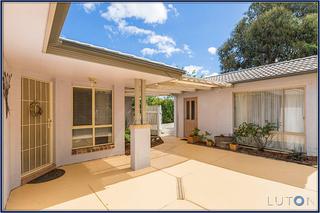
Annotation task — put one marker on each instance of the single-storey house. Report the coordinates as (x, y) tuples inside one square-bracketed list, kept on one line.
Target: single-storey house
[(284, 93), (67, 99)]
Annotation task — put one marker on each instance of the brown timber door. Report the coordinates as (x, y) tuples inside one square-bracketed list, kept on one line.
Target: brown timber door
[(190, 115)]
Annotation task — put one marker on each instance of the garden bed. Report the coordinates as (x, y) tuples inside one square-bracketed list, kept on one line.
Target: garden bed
[(284, 156), (155, 141)]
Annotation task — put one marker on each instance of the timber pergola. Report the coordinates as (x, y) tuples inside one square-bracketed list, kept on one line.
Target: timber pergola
[(179, 85)]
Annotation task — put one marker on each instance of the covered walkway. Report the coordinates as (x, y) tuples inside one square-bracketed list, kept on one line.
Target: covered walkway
[(181, 177)]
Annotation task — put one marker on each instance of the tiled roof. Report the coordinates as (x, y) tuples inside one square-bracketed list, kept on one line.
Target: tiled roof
[(275, 70)]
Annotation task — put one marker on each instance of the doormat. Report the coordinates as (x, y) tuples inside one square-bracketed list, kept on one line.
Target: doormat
[(54, 174)]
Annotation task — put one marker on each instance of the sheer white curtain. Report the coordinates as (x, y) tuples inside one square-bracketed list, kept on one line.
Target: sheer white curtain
[(294, 110), (294, 119), (258, 107), (266, 106)]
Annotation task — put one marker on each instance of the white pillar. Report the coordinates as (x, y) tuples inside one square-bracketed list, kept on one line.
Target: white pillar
[(140, 146), (137, 95), (143, 102), (175, 115), (159, 119), (140, 140)]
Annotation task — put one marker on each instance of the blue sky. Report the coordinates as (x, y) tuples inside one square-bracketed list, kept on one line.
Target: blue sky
[(185, 35)]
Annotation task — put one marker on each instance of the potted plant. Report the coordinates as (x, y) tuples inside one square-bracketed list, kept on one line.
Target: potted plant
[(234, 145), (223, 141), (206, 137), (210, 142), (194, 136)]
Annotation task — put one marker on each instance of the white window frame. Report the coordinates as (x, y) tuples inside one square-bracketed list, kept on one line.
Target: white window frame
[(282, 132), (93, 126)]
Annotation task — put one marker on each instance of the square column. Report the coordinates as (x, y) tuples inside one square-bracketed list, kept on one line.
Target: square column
[(137, 96), (140, 142)]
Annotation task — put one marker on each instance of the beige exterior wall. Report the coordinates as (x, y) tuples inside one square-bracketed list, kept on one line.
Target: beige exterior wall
[(5, 146), (216, 106), (62, 124)]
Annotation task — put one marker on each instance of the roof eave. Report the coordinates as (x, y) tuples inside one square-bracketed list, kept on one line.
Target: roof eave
[(54, 45)]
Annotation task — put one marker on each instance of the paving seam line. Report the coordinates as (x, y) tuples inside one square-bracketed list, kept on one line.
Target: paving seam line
[(98, 197), (180, 192)]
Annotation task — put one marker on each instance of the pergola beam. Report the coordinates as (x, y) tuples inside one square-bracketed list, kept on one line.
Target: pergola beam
[(183, 86)]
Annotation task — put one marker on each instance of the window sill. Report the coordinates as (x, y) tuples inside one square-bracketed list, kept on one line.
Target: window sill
[(97, 148)]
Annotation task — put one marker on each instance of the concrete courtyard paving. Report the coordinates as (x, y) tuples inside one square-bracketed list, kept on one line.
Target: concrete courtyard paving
[(181, 177)]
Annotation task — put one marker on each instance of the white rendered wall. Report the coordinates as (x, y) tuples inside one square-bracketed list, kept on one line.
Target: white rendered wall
[(215, 107), (5, 147), (63, 121), (62, 124)]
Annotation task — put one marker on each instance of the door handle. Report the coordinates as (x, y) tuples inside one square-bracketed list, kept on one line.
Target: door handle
[(49, 123)]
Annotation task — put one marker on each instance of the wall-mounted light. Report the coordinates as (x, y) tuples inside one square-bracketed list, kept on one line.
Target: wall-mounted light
[(93, 81)]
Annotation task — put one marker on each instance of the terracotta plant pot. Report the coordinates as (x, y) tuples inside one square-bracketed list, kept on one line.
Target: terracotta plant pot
[(209, 143), (233, 146), (190, 139), (196, 139)]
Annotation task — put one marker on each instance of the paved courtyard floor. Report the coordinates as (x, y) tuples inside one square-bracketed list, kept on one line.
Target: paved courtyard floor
[(181, 177)]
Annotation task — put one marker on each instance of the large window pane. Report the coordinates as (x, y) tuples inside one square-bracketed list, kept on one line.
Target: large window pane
[(82, 137), (294, 110), (258, 107), (82, 106), (282, 107), (103, 107), (103, 135)]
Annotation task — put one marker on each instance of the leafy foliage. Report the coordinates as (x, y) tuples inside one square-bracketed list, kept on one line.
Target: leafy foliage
[(195, 132), (261, 135), (166, 105), (271, 32), (206, 136), (127, 135)]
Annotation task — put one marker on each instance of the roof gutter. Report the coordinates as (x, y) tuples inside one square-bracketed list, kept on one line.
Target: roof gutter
[(53, 44)]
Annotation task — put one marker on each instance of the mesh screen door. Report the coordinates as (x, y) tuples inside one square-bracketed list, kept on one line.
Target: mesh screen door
[(35, 125)]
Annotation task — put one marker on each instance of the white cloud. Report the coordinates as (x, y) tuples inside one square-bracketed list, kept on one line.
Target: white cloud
[(187, 50), (151, 13), (148, 51), (173, 9), (192, 69), (89, 7), (132, 30), (163, 44), (110, 29), (212, 50), (198, 71), (204, 73)]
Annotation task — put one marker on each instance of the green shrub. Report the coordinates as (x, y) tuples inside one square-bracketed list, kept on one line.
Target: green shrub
[(127, 135), (261, 135)]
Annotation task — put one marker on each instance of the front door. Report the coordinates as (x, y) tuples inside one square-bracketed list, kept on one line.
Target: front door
[(36, 148), (190, 115)]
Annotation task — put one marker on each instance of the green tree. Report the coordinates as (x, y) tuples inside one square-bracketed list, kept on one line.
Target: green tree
[(271, 32), (167, 107)]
